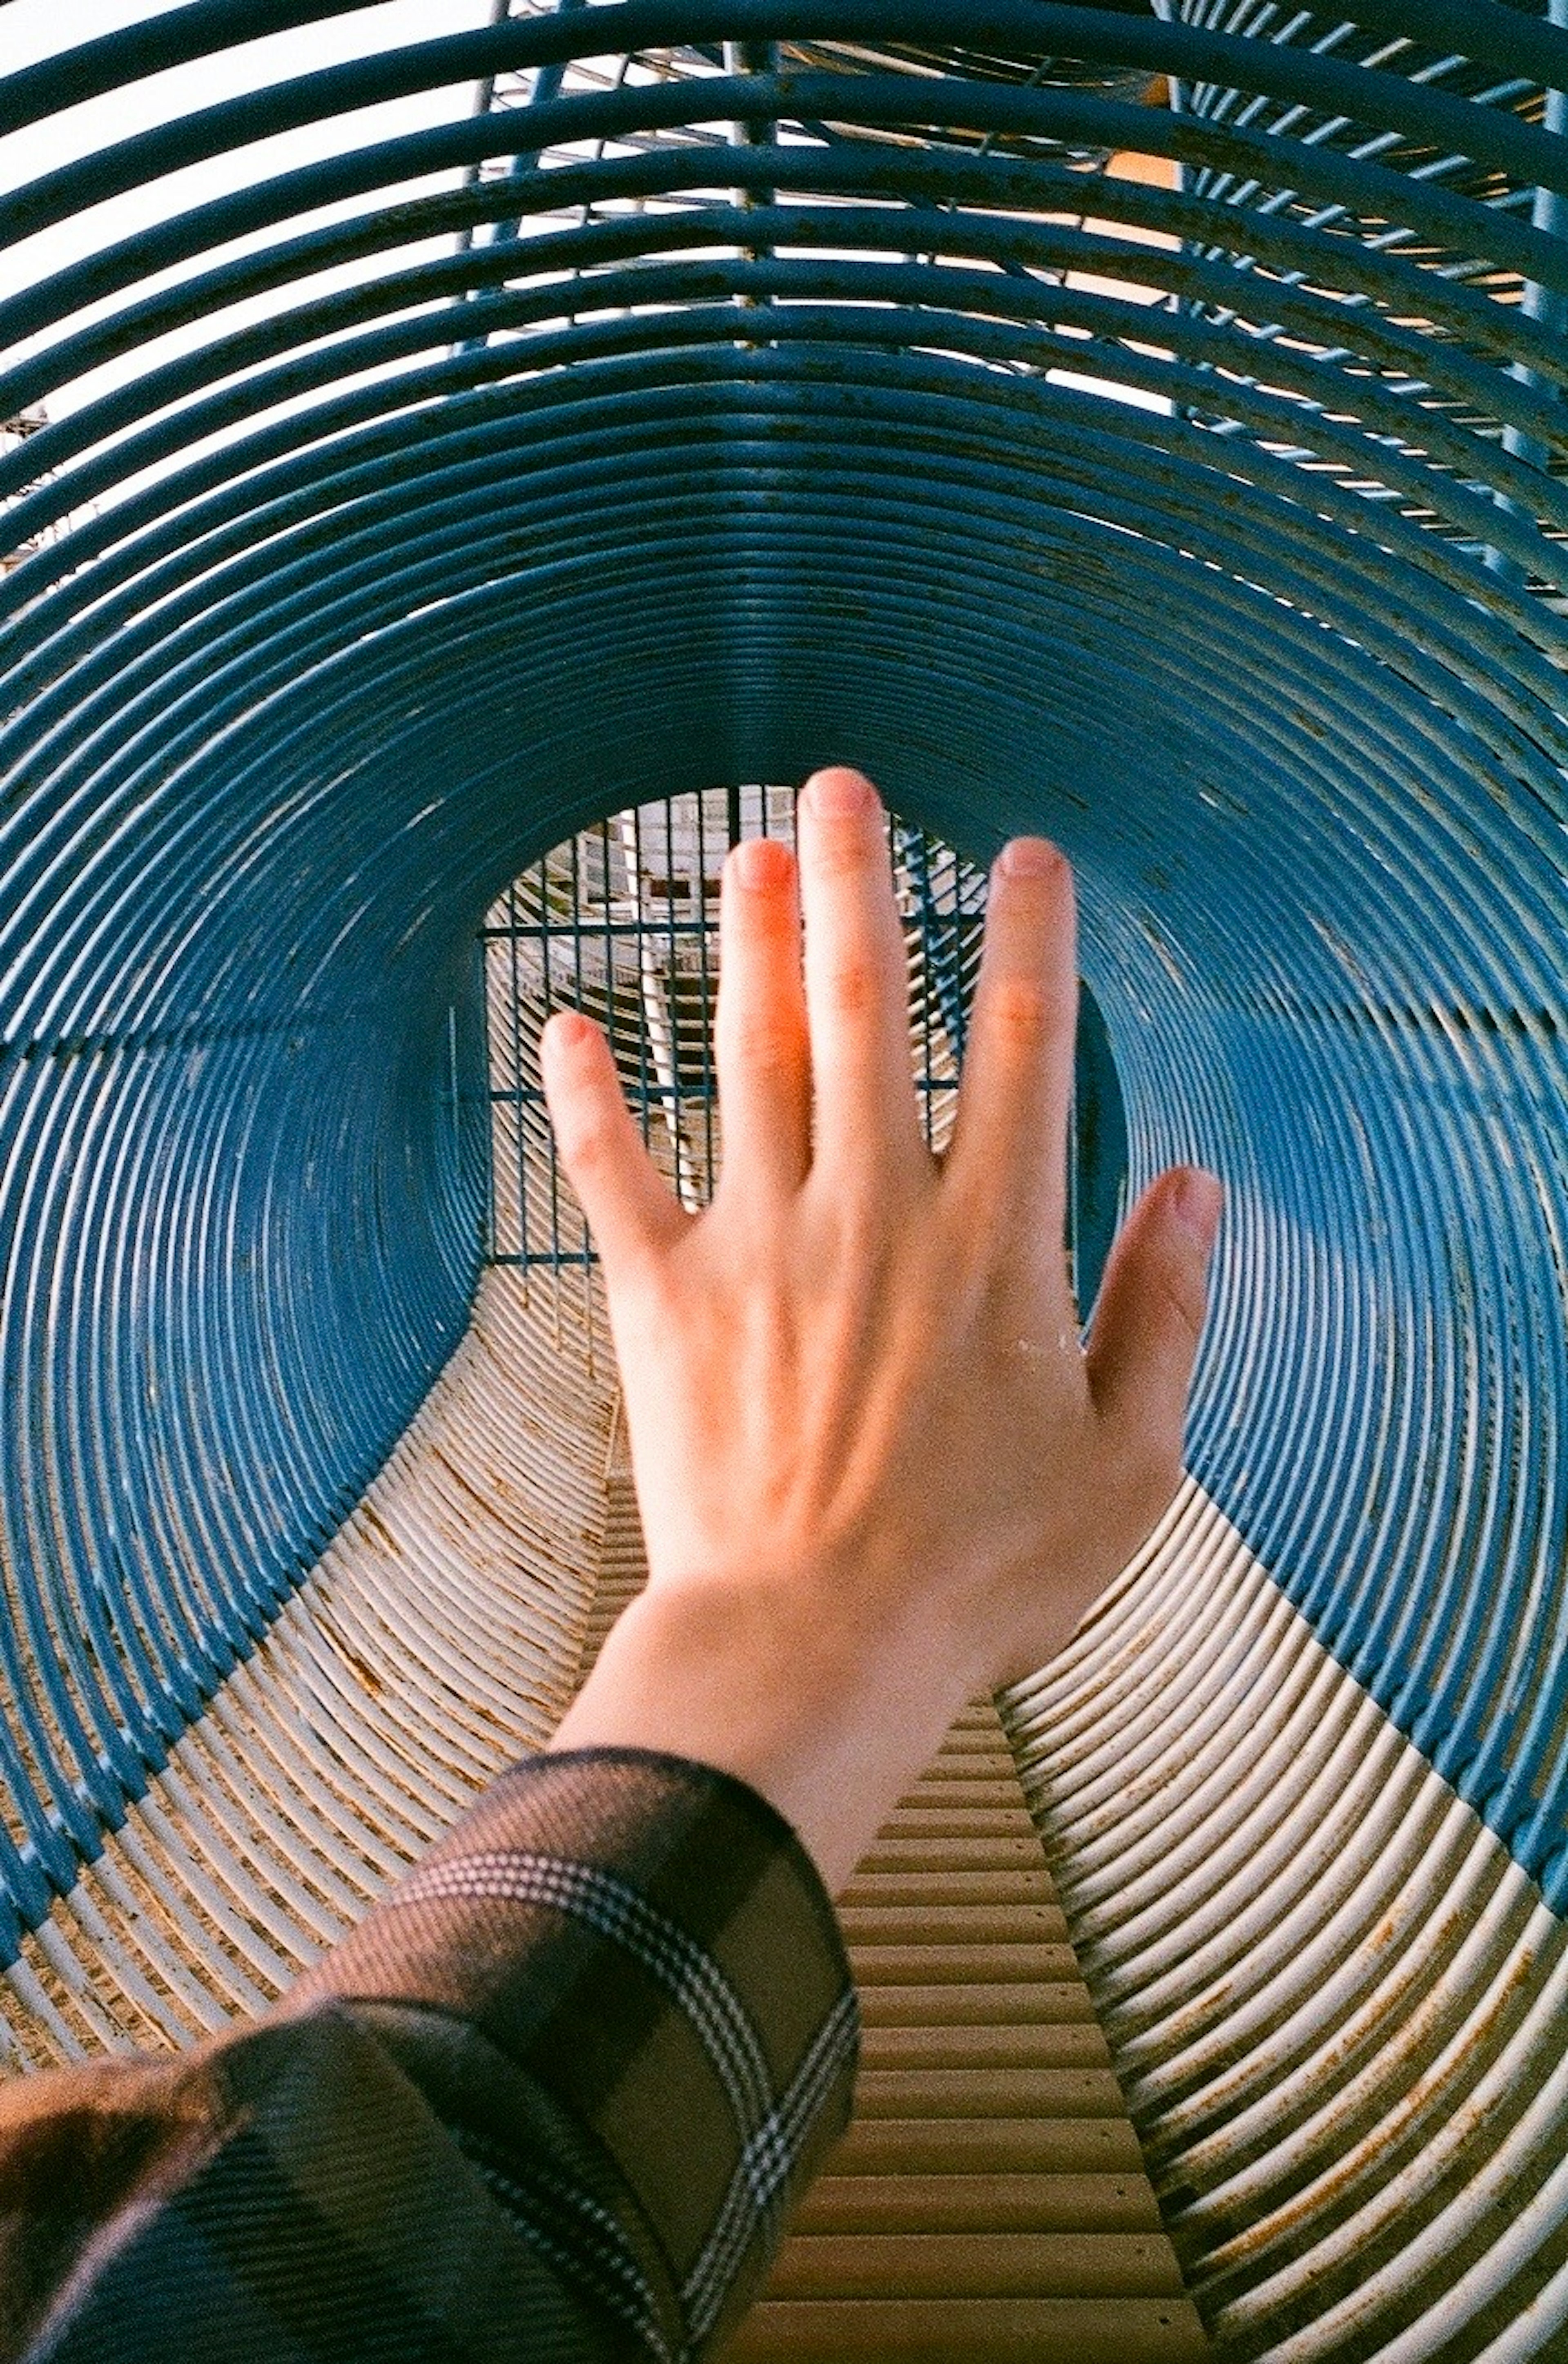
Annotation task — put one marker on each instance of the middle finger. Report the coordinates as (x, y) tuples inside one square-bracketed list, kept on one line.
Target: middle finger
[(857, 983)]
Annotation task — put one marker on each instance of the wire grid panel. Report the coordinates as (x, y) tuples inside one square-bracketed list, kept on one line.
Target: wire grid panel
[(621, 921)]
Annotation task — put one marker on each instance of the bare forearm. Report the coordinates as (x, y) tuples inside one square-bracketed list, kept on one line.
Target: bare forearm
[(829, 1717), (830, 1727)]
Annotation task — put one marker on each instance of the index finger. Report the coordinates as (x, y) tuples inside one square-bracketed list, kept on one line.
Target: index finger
[(1008, 1153)]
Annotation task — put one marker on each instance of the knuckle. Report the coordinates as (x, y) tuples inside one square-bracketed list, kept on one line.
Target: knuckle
[(851, 987), (861, 1245), (589, 1145), (1021, 1011), (1181, 1297), (841, 848), (766, 1046)]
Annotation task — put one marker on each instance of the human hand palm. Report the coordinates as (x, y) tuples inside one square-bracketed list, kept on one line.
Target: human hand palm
[(856, 1377)]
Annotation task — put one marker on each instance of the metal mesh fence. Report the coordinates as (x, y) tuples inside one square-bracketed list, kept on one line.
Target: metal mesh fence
[(621, 922)]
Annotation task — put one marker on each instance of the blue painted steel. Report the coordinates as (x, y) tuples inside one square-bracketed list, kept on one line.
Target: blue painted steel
[(759, 459), (545, 84), (941, 935)]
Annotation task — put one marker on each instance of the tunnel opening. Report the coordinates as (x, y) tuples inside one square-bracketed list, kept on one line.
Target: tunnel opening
[(621, 921)]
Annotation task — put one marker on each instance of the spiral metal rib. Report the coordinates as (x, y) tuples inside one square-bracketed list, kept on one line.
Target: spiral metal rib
[(745, 383), (438, 1637)]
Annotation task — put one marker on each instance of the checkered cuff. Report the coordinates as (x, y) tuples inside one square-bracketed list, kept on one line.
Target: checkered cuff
[(621, 1986)]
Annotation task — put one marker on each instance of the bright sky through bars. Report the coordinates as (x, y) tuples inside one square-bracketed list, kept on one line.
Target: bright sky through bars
[(30, 29), (33, 28)]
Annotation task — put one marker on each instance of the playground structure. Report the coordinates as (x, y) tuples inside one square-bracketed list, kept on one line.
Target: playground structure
[(1141, 424)]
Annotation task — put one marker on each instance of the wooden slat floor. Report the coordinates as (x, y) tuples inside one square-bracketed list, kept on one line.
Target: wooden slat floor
[(989, 2203)]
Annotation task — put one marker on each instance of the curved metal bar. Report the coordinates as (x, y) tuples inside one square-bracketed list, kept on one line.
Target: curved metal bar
[(858, 401)]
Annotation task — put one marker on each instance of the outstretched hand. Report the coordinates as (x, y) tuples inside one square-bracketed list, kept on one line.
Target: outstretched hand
[(875, 1468)]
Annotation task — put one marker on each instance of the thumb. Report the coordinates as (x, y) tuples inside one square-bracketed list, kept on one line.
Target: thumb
[(631, 1210), (1152, 1306)]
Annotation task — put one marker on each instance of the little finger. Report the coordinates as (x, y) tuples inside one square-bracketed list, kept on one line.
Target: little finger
[(631, 1209)]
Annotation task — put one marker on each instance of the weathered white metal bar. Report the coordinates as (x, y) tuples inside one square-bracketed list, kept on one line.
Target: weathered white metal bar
[(1337, 2006)]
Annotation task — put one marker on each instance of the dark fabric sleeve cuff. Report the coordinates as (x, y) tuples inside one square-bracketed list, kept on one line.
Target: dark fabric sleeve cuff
[(620, 1982)]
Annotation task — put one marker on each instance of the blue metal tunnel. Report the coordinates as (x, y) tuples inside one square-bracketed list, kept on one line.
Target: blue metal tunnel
[(1141, 423)]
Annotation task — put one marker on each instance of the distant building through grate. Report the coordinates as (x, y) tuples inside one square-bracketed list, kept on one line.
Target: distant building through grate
[(621, 922)]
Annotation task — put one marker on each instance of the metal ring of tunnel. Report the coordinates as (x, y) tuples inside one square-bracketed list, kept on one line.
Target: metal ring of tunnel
[(840, 391)]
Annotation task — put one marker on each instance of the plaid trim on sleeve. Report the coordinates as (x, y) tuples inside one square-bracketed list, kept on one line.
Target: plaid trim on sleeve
[(621, 1985), (548, 2104)]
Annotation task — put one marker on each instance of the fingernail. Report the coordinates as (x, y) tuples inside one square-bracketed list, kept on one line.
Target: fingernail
[(568, 1030), (1030, 857), (762, 862), (838, 794), (1199, 1199)]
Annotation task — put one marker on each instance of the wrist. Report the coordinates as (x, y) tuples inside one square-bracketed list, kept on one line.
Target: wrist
[(789, 1686)]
